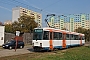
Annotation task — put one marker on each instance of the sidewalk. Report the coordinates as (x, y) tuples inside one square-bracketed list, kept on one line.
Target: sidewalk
[(7, 52)]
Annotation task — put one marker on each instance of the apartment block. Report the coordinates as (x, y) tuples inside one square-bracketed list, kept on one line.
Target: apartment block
[(20, 11), (71, 22)]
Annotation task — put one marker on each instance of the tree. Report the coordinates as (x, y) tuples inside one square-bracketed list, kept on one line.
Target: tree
[(1, 23), (84, 31), (8, 28), (80, 30), (15, 26), (87, 35), (25, 24)]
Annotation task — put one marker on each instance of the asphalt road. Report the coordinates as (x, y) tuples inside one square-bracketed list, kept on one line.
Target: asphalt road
[(7, 52)]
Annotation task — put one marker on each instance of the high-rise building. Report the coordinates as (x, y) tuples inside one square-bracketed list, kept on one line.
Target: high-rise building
[(70, 22), (20, 11)]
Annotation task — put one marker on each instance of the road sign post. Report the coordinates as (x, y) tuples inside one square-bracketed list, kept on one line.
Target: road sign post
[(16, 38)]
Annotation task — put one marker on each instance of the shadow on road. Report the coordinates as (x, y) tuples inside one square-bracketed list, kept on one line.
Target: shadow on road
[(30, 49)]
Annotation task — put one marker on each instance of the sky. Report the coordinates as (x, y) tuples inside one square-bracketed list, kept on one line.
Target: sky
[(44, 7)]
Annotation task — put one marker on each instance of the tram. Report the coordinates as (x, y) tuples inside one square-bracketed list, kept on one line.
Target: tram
[(51, 38)]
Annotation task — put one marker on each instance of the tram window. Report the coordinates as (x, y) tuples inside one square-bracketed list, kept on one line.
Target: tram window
[(67, 36), (51, 35), (60, 36), (64, 36), (46, 35), (37, 36), (71, 36), (56, 36), (79, 38), (75, 37), (83, 37)]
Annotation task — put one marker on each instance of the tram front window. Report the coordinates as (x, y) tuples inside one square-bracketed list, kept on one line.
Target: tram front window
[(37, 35), (46, 35)]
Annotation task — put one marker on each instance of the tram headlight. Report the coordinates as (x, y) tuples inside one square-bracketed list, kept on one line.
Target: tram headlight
[(40, 44)]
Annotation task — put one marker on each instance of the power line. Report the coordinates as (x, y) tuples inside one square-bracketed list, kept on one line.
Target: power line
[(15, 2), (19, 2), (7, 3), (52, 4), (5, 8), (26, 5), (42, 10), (33, 5)]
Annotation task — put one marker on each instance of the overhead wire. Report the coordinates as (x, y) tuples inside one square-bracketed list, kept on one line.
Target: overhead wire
[(7, 3), (18, 3), (42, 10), (33, 5), (52, 4), (5, 8), (3, 2)]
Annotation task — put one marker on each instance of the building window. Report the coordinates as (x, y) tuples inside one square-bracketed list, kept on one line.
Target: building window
[(61, 25), (82, 26)]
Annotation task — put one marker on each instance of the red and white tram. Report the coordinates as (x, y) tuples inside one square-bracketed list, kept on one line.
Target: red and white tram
[(51, 38)]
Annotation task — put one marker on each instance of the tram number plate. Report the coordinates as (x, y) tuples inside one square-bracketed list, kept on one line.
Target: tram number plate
[(36, 42)]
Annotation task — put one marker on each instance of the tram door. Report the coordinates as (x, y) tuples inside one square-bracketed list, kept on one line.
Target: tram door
[(64, 40), (80, 40), (51, 40)]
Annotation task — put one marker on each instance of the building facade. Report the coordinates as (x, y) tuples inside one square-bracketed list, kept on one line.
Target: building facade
[(20, 11), (70, 22)]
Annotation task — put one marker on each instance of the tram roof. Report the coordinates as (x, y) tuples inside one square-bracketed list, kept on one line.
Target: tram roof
[(58, 30), (82, 34)]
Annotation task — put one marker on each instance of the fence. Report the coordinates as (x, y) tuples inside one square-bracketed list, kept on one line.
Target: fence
[(27, 37)]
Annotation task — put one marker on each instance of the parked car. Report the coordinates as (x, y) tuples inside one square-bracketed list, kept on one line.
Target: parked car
[(12, 44)]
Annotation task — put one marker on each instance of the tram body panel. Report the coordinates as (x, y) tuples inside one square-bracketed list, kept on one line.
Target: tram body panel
[(74, 42), (57, 43), (83, 42), (36, 42), (68, 43)]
